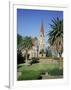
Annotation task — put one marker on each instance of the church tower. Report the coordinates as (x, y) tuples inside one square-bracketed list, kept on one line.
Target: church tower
[(41, 38)]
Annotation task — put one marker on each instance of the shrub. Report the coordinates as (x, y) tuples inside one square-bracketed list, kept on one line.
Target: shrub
[(20, 58), (40, 77), (34, 60), (43, 72), (55, 72)]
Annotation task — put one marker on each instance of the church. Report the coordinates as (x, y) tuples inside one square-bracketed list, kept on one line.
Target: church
[(38, 45)]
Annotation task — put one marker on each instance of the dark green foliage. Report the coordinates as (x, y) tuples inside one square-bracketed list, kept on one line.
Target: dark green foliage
[(55, 72), (56, 30), (40, 77), (19, 39), (19, 42), (20, 58), (34, 60), (27, 42), (43, 72), (56, 35), (23, 43)]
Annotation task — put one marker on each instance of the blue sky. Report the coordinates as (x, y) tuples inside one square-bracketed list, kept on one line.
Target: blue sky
[(29, 21)]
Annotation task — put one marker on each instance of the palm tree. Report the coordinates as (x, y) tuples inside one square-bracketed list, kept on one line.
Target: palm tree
[(56, 35), (27, 44), (24, 43)]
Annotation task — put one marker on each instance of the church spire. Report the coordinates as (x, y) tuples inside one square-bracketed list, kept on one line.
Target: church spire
[(41, 38), (42, 29)]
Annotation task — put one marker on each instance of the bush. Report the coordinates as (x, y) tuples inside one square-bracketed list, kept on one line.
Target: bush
[(34, 60), (40, 77), (20, 58), (55, 72)]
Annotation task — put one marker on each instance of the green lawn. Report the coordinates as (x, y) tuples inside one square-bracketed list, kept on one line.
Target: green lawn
[(34, 71)]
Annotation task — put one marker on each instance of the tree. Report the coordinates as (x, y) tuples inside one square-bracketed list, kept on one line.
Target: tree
[(19, 41), (23, 43), (56, 35), (20, 58), (27, 44)]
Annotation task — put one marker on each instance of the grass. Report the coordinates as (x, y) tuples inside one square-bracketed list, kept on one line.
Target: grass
[(34, 71), (37, 67), (30, 75), (55, 72)]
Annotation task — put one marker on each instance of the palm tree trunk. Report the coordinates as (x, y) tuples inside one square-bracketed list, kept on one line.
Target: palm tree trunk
[(26, 57)]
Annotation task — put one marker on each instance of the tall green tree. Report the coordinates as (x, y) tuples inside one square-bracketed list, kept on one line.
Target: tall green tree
[(27, 44), (19, 41), (56, 35), (20, 58), (24, 43)]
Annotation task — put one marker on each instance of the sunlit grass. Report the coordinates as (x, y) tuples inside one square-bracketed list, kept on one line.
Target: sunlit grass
[(34, 71)]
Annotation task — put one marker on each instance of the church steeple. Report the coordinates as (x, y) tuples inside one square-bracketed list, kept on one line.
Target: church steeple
[(41, 38), (42, 29)]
